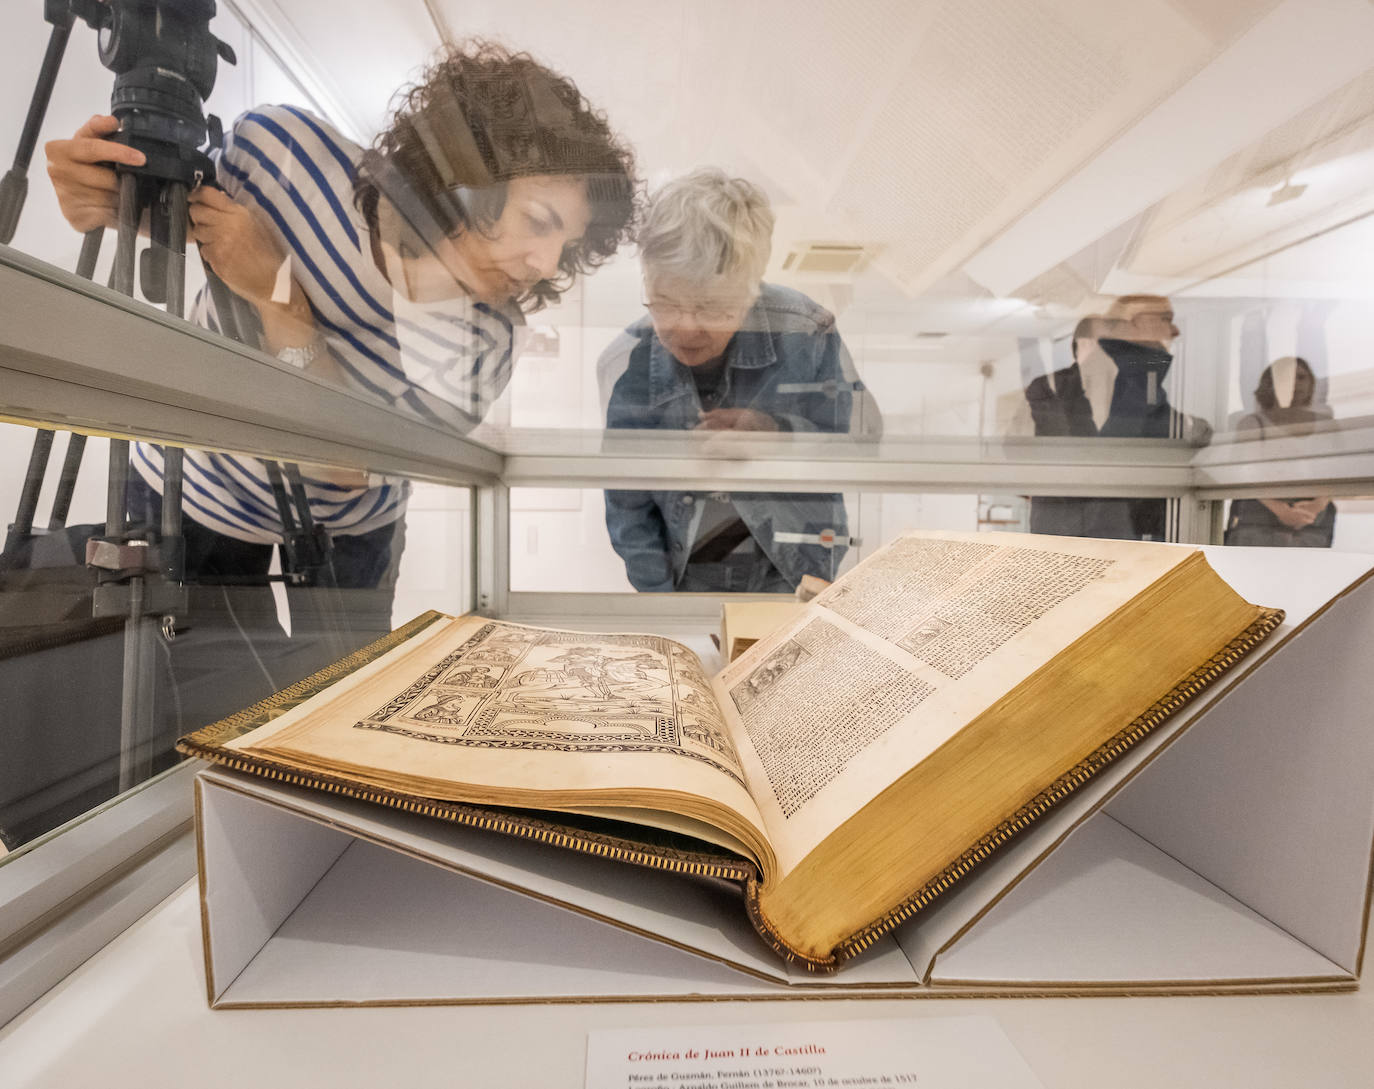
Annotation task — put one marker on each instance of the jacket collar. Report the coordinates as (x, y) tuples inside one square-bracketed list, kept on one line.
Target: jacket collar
[(1127, 352), (751, 348)]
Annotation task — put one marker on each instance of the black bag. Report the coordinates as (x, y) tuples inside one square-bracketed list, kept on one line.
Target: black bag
[(61, 672)]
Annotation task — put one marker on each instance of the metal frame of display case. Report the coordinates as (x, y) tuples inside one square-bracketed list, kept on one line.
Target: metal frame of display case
[(1338, 461), (74, 355), (77, 355)]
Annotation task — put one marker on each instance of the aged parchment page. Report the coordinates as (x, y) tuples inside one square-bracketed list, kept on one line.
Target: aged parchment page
[(485, 711), (891, 662)]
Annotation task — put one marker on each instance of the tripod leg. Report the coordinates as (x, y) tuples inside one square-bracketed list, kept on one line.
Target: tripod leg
[(288, 519), (138, 729), (320, 601), (302, 501), (90, 251), (126, 249), (135, 712), (15, 186), (66, 483), (175, 292), (135, 689), (28, 498), (315, 604), (236, 318), (171, 492), (118, 483), (175, 196), (76, 444), (223, 298), (42, 442)]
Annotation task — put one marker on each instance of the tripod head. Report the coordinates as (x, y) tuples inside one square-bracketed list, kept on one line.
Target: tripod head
[(165, 60)]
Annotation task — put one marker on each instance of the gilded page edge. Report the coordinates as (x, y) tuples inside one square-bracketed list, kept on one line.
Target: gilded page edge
[(1266, 621), (927, 973), (493, 819)]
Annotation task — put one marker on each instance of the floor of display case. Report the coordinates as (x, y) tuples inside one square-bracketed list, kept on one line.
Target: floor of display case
[(136, 1015)]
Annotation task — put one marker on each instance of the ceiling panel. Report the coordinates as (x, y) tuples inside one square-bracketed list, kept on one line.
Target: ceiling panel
[(922, 129)]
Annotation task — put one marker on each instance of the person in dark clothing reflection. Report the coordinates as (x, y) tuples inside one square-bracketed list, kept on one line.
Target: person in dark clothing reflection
[(1289, 401), (1113, 389)]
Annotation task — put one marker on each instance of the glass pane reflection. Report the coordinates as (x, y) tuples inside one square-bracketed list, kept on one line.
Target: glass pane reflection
[(1345, 523), (994, 202), (255, 619), (569, 540)]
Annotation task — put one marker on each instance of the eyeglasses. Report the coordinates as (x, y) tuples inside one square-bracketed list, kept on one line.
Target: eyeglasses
[(707, 314)]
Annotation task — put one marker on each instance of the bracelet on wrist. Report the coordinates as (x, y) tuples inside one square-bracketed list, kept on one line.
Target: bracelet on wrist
[(301, 356)]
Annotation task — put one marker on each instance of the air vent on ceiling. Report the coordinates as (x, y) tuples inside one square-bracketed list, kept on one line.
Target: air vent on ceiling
[(830, 258)]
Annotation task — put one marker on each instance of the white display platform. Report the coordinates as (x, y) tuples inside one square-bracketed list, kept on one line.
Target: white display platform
[(1235, 855), (135, 1017)]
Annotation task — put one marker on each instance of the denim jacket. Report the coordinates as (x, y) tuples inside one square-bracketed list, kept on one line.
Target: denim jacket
[(788, 361)]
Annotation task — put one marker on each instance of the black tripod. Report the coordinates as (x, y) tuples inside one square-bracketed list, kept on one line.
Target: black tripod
[(165, 60)]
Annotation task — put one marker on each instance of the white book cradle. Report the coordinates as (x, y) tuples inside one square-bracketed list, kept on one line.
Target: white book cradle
[(1229, 851)]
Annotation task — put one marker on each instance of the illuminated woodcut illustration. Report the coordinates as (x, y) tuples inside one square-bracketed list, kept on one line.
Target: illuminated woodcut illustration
[(518, 688)]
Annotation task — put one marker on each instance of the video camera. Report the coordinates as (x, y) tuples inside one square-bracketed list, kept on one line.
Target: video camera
[(165, 60)]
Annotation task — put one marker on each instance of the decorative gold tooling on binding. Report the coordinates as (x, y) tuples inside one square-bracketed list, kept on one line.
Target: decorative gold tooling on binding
[(485, 822)]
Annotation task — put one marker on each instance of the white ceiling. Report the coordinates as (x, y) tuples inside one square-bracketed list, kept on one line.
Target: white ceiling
[(1049, 148)]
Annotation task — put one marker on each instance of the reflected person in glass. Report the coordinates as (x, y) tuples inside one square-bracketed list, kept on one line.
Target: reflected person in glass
[(1114, 388), (402, 272), (720, 350), (1289, 401)]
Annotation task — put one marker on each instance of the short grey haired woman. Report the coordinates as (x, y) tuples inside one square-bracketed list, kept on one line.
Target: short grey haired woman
[(707, 232), (721, 349)]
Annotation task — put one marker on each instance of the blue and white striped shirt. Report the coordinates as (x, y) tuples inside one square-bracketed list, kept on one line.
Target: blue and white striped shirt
[(445, 362)]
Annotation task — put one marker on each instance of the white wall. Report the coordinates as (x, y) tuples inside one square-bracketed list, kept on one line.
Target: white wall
[(558, 542)]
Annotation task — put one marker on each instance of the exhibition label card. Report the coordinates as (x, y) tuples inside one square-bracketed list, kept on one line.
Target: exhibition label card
[(932, 1053)]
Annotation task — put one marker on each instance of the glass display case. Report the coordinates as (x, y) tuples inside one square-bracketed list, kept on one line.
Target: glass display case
[(1050, 268)]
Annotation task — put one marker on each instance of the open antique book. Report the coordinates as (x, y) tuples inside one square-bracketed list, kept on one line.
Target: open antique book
[(845, 770)]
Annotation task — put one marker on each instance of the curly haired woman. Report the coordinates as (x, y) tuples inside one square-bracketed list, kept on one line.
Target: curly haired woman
[(403, 272)]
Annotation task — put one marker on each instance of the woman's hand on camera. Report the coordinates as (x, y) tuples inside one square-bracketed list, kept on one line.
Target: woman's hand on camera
[(236, 243), (83, 177)]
